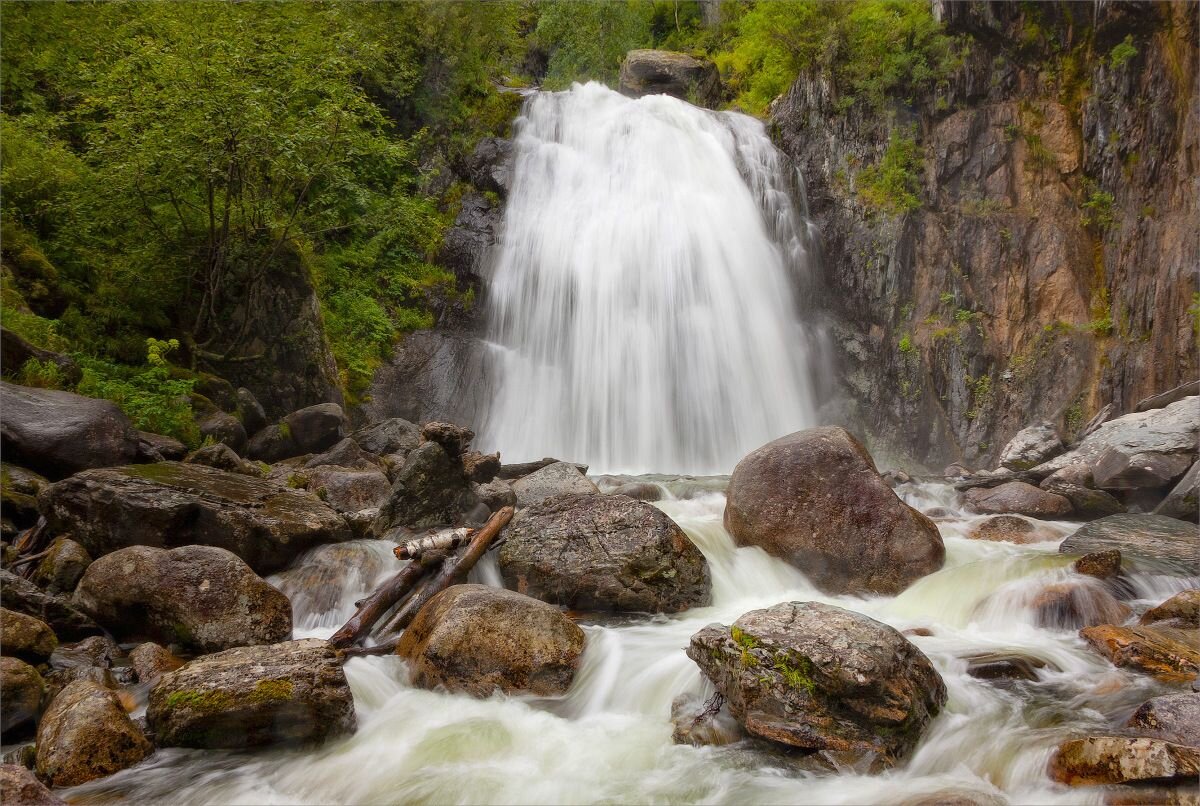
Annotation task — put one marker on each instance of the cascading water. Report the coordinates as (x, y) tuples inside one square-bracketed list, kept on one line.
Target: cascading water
[(642, 307)]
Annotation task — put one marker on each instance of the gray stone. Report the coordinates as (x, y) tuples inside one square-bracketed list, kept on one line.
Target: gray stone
[(250, 411), (1173, 717), (151, 661), (552, 481), (346, 489), (23, 690), (1149, 542), (348, 454), (224, 429), (390, 436), (1164, 399), (1181, 611), (162, 447), (496, 494), (490, 166), (222, 457), (653, 72), (1031, 446), (1183, 501), (67, 621), (1100, 760), (20, 787), (60, 570), (316, 428), (1018, 498), (430, 491), (25, 637), (1117, 470)]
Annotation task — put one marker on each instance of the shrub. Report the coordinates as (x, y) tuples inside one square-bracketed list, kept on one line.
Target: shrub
[(893, 185), (1122, 52), (149, 396)]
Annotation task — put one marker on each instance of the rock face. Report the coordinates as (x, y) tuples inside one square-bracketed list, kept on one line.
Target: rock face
[(477, 639), (814, 499), (201, 598), (594, 552), (1181, 611), (287, 693), (559, 478), (653, 72), (1098, 760), (25, 637), (438, 374), (19, 786), (171, 504), (430, 490), (85, 734), (1031, 446), (23, 690), (815, 676), (60, 433), (67, 621), (1173, 718), (1146, 649), (1152, 541), (1018, 498), (490, 165)]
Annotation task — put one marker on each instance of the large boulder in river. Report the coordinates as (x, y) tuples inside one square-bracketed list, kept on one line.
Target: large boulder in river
[(289, 693), (430, 490), (815, 676), (1031, 446), (85, 734), (477, 639), (348, 489), (1019, 498), (173, 504), (606, 553), (200, 598), (23, 689), (551, 481), (664, 72), (1181, 611), (67, 621), (1151, 542), (60, 433), (815, 499), (1076, 484)]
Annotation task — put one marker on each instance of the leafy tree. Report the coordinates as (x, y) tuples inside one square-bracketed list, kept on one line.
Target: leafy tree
[(588, 41)]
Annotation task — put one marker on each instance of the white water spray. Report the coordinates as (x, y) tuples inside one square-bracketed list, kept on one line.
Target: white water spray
[(642, 305)]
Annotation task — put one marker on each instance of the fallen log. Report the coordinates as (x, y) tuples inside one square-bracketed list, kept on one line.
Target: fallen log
[(451, 570), (372, 608), (447, 540), (515, 471)]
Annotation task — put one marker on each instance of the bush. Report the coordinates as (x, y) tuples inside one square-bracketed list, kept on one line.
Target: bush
[(149, 396), (1122, 52), (893, 184)]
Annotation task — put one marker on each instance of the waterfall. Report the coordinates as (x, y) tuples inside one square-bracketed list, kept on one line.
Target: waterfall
[(643, 303)]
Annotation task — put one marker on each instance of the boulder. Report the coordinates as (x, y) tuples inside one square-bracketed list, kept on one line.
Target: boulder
[(161, 447), (20, 787), (477, 639), (1099, 564), (388, 436), (272, 444), (1031, 446), (1077, 485), (316, 428), (603, 553), (481, 467), (223, 429), (348, 490), (430, 491), (60, 433), (1099, 760), (815, 676), (98, 651), (1071, 605), (454, 439), (490, 165), (85, 734), (517, 470), (1116, 469), (655, 72), (25, 637), (1152, 542), (1146, 649), (1181, 611), (23, 690), (171, 504), (1173, 718), (639, 491), (1164, 399), (67, 621), (1003, 665), (496, 494), (1183, 501), (1018, 498), (151, 661), (200, 598), (62, 568), (59, 679), (1009, 529), (250, 411), (556, 479), (288, 693), (346, 453), (222, 457), (815, 500)]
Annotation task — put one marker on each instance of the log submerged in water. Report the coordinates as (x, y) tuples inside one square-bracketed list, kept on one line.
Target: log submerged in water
[(372, 608)]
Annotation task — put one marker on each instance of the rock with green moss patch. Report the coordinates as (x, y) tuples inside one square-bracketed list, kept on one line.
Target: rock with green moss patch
[(814, 676), (85, 734), (199, 598), (176, 504), (288, 693)]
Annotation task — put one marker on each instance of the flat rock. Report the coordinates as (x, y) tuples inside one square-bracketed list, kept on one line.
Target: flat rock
[(1145, 649), (1018, 498), (1003, 665), (1116, 469), (23, 636), (85, 734), (222, 457), (1153, 542), (605, 553), (553, 480), (815, 500), (172, 504), (201, 598), (814, 676), (288, 693), (477, 639), (1098, 760), (348, 489), (1173, 717), (1009, 529), (1164, 399)]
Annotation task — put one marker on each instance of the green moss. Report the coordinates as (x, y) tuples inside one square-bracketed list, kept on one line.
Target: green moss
[(1122, 52), (747, 643), (266, 690), (285, 430), (796, 671), (893, 186), (906, 345), (208, 701)]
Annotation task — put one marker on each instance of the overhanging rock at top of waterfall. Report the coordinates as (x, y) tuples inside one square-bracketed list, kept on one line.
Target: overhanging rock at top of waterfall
[(650, 72)]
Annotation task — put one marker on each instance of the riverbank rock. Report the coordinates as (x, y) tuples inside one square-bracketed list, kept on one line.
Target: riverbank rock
[(151, 661), (60, 433), (1071, 605), (552, 481), (1099, 564), (1152, 542), (25, 637), (288, 693), (1183, 501), (20, 787), (388, 437), (481, 468), (1076, 484), (23, 690), (496, 494), (1017, 498), (1031, 446), (85, 734), (347, 489), (222, 428), (62, 568), (1174, 718), (171, 504), (477, 639), (1009, 529), (1181, 611), (308, 430), (223, 457), (654, 72), (606, 553), (815, 500), (1098, 760), (814, 676), (201, 598), (1159, 653), (430, 490), (68, 622)]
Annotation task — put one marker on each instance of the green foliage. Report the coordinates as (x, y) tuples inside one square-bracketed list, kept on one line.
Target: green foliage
[(587, 41), (893, 185), (1122, 52), (149, 395), (906, 345), (1097, 207), (42, 374), (962, 315)]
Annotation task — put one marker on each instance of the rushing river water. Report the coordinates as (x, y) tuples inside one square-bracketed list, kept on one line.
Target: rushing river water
[(608, 740)]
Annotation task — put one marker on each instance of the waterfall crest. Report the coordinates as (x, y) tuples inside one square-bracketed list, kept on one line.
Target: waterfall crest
[(642, 306)]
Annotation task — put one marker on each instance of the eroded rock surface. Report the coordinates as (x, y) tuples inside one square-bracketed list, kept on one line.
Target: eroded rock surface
[(85, 734)]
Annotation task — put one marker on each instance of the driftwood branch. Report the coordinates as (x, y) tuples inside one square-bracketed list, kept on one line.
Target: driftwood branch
[(372, 608), (444, 541)]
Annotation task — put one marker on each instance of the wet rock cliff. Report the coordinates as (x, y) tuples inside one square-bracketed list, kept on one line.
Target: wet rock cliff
[(1050, 266)]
